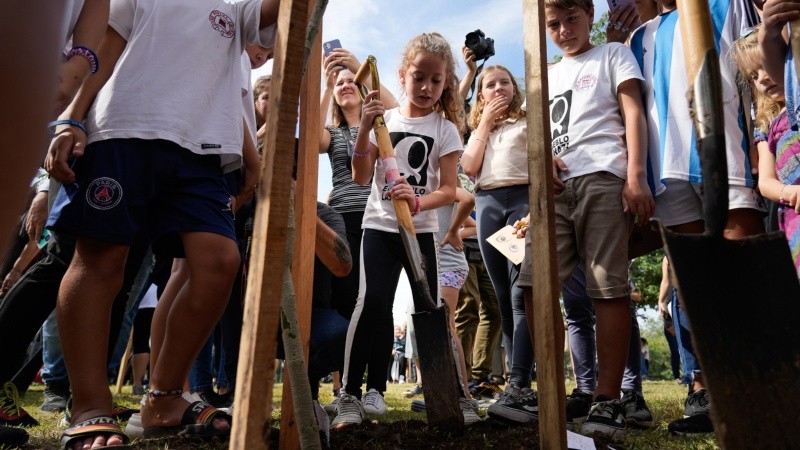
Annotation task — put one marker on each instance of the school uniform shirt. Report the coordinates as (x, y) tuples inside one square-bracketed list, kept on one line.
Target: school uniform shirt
[(505, 158), (182, 55), (658, 48), (418, 143), (585, 121)]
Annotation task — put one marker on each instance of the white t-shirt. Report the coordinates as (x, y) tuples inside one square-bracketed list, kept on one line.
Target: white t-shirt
[(418, 143), (72, 9), (505, 159), (585, 121), (248, 104), (150, 298), (179, 77)]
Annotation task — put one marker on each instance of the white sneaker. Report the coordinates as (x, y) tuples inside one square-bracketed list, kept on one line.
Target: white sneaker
[(349, 411), (330, 408), (134, 427), (374, 403), (469, 408)]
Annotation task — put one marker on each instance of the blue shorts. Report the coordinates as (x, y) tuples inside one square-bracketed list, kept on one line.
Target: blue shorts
[(124, 185)]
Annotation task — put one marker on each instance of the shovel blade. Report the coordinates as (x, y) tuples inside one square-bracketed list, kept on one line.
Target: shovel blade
[(742, 299), (441, 387)]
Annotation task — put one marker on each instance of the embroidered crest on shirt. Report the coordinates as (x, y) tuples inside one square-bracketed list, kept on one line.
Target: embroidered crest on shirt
[(559, 121), (104, 193), (222, 23), (585, 83)]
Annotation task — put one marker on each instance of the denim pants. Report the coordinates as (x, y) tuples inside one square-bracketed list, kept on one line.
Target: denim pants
[(204, 369), (684, 336), (580, 326), (497, 208), (54, 368), (674, 355)]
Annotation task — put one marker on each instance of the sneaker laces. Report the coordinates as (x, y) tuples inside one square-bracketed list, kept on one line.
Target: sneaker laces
[(371, 399), (349, 405), (9, 400), (699, 398)]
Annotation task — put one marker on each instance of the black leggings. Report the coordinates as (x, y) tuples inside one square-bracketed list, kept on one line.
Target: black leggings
[(371, 328), (141, 330)]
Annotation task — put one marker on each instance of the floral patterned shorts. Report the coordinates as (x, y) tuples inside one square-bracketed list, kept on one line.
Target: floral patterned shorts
[(454, 279)]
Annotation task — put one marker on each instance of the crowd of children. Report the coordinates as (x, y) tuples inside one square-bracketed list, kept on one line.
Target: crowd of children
[(130, 179)]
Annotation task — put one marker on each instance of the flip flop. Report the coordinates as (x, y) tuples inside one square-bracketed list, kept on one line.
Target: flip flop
[(100, 425), (197, 420)]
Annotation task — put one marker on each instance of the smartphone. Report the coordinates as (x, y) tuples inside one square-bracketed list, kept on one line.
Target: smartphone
[(614, 4), (330, 46)]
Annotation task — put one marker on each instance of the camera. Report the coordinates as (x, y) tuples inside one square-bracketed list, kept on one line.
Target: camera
[(481, 46)]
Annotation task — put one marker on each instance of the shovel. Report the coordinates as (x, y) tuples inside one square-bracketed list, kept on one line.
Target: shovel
[(437, 364), (740, 296)]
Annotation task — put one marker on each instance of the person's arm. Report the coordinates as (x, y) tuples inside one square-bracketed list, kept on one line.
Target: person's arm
[(88, 32), (252, 169), (37, 216), (364, 153), (636, 197), (466, 203), (469, 228), (445, 194), (324, 107), (29, 252), (472, 159), (663, 289), (333, 250), (472, 69), (772, 38), (70, 140)]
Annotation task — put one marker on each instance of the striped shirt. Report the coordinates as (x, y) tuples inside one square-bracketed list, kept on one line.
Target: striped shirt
[(658, 48), (346, 196)]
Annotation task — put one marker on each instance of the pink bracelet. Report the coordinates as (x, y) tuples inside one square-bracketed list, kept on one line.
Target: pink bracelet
[(369, 152), (416, 208), (87, 53)]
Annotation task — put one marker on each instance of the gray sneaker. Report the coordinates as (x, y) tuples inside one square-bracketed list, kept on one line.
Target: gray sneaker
[(469, 408), (349, 411), (515, 405), (696, 403), (607, 418), (56, 394), (637, 414)]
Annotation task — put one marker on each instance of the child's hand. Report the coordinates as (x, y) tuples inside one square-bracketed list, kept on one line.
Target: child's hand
[(521, 226), (638, 201), (495, 109), (776, 13), (403, 191), (469, 59), (621, 22), (69, 142), (370, 109), (558, 167), (454, 239)]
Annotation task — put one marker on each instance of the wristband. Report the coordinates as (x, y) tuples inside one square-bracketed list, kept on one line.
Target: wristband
[(416, 208), (369, 152), (74, 123), (479, 139), (87, 53), (781, 199)]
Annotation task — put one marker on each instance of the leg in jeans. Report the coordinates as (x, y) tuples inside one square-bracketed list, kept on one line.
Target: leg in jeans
[(201, 375), (674, 356), (580, 328), (684, 338), (54, 370), (632, 377)]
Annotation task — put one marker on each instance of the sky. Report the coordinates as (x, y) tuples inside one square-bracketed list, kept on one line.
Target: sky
[(382, 28)]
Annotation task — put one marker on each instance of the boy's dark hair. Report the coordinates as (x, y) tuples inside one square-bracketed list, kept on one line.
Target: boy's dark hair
[(586, 5)]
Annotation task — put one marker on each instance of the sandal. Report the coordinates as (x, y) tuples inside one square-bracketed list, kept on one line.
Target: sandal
[(100, 425), (197, 420)]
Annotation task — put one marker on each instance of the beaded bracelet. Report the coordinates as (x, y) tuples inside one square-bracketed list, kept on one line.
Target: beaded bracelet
[(52, 125), (87, 53), (416, 207), (157, 393), (369, 152)]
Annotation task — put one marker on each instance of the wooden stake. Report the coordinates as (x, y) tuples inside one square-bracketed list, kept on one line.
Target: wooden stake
[(123, 363), (548, 331), (256, 370)]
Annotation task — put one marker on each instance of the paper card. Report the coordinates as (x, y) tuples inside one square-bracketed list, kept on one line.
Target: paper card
[(508, 244), (579, 442)]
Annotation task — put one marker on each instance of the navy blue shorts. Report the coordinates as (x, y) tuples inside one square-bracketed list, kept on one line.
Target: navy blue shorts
[(123, 185)]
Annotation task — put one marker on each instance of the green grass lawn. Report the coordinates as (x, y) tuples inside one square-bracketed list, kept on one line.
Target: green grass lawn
[(665, 399)]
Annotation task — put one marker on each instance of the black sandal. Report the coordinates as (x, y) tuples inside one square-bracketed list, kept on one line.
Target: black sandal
[(197, 420), (100, 425)]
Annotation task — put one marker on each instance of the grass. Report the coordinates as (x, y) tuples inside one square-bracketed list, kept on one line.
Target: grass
[(665, 400)]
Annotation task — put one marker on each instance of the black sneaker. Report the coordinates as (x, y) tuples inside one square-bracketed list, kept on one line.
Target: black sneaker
[(217, 400), (696, 403), (606, 417), (12, 437), (637, 414), (56, 394), (578, 405), (515, 406), (697, 424)]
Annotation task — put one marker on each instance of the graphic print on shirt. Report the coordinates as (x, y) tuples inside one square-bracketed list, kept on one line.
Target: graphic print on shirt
[(416, 150), (560, 107)]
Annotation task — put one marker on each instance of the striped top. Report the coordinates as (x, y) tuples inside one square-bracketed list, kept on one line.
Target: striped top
[(658, 48), (346, 196)]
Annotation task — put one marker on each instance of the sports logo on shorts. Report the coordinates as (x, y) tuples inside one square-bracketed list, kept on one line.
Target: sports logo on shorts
[(104, 193), (222, 23)]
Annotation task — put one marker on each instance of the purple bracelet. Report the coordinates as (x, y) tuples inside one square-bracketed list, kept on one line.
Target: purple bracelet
[(87, 53)]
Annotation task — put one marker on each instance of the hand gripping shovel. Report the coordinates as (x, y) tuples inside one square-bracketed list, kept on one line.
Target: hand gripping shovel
[(436, 361), (741, 296)]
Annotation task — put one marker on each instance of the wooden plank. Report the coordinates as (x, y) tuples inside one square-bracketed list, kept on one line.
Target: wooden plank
[(305, 225), (256, 370), (548, 331)]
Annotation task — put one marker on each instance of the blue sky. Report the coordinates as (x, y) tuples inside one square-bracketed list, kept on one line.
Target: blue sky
[(382, 28)]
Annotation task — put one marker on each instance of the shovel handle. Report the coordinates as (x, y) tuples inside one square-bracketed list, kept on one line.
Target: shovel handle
[(794, 41), (696, 26)]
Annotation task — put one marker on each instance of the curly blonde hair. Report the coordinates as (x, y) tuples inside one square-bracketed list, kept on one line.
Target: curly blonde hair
[(450, 105), (515, 110), (748, 58)]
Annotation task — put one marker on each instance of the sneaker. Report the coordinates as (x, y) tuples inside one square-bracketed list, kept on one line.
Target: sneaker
[(324, 424), (413, 392), (578, 405), (349, 412), (607, 418), (637, 414), (697, 424), (330, 408), (418, 405), (217, 400), (374, 403), (469, 408), (139, 390), (11, 413), (134, 428), (11, 437), (515, 405), (696, 403), (56, 394), (485, 389)]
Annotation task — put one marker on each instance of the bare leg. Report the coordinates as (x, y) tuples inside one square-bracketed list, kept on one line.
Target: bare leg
[(87, 291), (177, 279), (613, 332), (212, 261), (450, 296)]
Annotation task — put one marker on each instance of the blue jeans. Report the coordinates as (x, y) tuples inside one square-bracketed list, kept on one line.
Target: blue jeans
[(497, 208), (580, 326), (674, 356), (54, 368), (201, 377), (684, 336)]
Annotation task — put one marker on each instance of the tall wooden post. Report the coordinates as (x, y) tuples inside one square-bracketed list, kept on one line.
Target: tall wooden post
[(256, 370), (548, 330), (305, 224)]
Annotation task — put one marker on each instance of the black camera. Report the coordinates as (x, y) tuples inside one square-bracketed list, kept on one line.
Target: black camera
[(481, 46)]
